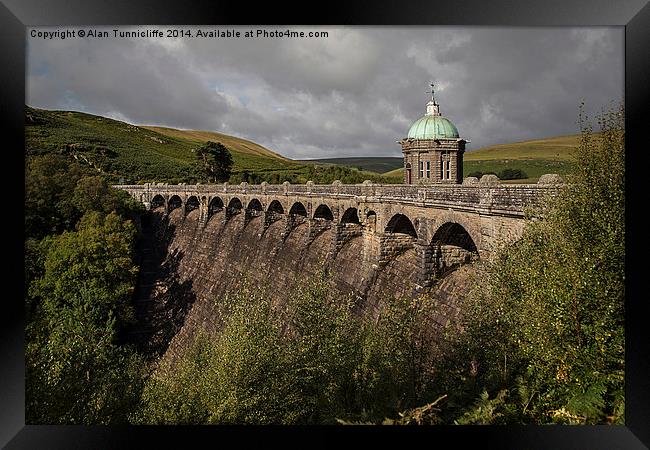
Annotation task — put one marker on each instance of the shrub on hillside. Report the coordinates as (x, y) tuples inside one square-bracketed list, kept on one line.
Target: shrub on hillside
[(512, 174)]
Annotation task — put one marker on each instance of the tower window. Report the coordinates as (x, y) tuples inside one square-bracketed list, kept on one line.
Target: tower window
[(445, 167), (428, 169), (421, 169)]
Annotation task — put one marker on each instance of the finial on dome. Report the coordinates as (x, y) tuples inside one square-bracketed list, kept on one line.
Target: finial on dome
[(433, 109)]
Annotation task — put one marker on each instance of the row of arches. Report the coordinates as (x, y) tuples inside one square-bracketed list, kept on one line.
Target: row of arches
[(235, 205), (449, 234)]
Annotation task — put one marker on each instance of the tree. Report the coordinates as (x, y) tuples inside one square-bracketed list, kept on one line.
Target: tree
[(98, 255), (49, 183), (76, 370), (215, 162), (547, 323)]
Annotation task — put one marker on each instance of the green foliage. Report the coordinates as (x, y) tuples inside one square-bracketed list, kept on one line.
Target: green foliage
[(308, 360), (512, 174), (76, 374), (59, 191), (94, 194), (506, 174), (376, 164), (214, 162), (98, 256), (548, 320), (479, 174), (80, 274), (484, 411), (395, 370), (532, 168), (50, 181)]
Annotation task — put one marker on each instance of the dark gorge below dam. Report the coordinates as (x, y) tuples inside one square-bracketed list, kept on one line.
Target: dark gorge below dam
[(189, 266)]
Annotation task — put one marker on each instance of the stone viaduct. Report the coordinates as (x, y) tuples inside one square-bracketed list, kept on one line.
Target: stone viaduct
[(446, 224)]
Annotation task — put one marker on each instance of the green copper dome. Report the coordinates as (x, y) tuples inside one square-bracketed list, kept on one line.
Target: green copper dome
[(432, 126)]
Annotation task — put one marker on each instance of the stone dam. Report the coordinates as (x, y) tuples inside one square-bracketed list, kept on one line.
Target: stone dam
[(376, 242)]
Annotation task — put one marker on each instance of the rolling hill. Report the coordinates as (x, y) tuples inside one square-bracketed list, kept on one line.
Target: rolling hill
[(234, 143), (158, 154)]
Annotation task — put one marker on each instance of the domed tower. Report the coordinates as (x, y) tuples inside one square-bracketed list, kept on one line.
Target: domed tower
[(433, 150)]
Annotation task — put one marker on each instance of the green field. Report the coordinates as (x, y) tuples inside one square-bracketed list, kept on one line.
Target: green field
[(156, 154), (378, 164), (535, 158), (558, 148)]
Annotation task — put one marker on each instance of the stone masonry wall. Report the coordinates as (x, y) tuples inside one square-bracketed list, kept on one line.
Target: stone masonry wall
[(217, 260)]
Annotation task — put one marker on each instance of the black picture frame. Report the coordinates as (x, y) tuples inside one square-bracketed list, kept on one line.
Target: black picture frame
[(634, 15)]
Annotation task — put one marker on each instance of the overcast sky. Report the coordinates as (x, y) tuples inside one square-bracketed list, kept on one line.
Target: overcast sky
[(353, 93)]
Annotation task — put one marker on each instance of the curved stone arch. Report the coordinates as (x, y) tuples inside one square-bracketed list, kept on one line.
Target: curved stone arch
[(276, 206), (298, 209), (472, 229), (323, 211), (158, 201), (450, 247), (384, 214), (453, 233), (191, 203), (215, 206), (350, 215), (235, 203), (215, 202), (401, 224), (174, 202), (255, 205)]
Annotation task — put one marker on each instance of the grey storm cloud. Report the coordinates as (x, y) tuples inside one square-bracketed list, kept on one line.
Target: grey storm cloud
[(352, 93)]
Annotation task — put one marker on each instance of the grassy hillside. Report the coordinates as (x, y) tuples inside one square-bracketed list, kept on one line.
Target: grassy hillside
[(121, 149), (372, 164), (535, 158), (551, 149), (156, 154), (236, 144)]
